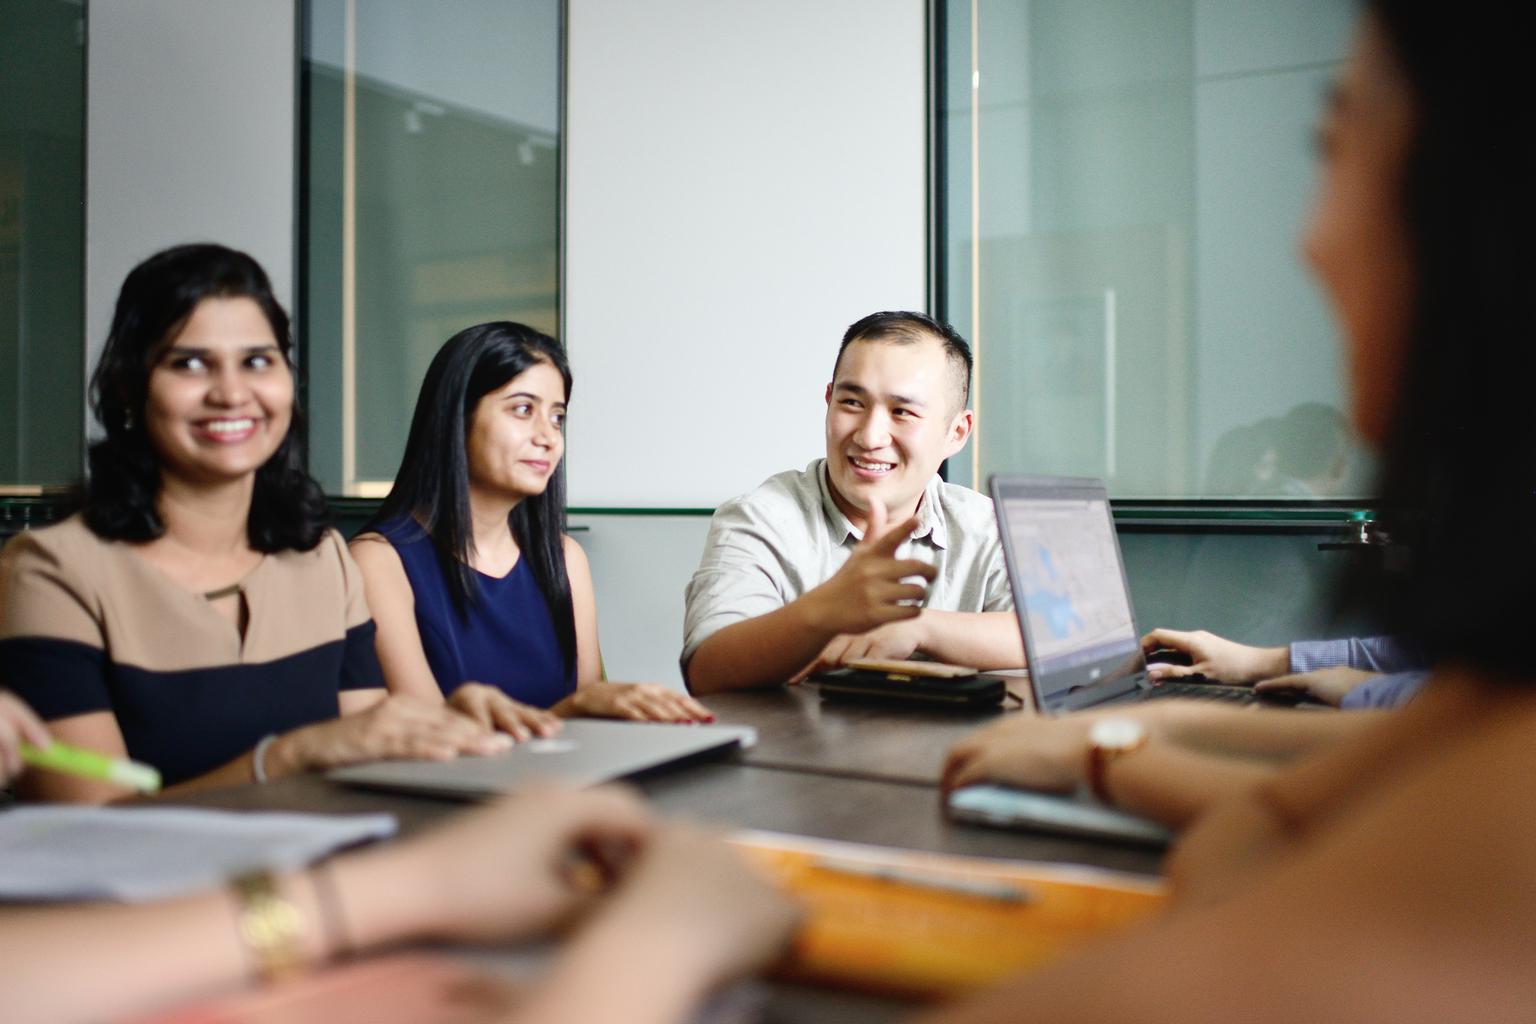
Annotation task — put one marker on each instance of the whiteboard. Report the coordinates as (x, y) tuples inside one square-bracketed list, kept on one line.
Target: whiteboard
[(743, 181)]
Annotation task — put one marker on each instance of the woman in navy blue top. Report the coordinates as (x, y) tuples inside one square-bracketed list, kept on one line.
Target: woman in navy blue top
[(479, 595)]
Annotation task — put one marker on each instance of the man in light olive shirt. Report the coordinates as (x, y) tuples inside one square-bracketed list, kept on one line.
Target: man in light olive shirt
[(805, 571)]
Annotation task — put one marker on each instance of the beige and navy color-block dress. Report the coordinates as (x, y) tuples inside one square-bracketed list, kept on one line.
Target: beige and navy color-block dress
[(88, 625)]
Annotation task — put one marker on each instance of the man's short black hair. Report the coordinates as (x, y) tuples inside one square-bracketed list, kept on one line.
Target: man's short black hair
[(906, 327)]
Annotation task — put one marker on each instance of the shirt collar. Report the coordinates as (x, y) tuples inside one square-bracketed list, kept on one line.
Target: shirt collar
[(930, 521)]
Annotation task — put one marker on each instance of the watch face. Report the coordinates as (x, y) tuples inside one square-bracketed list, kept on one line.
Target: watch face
[(1116, 733)]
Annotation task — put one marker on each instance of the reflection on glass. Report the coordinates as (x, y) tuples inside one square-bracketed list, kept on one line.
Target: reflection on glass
[(42, 242), (1307, 453), (1125, 261), (432, 200)]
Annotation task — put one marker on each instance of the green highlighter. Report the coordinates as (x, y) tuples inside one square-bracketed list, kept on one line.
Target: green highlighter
[(89, 764)]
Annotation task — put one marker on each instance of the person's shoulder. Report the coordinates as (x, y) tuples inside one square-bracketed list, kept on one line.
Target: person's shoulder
[(790, 492), (573, 551), (330, 545), (403, 536), (50, 574), (382, 568), (375, 551), (330, 552), (372, 546), (397, 531), (968, 520), (965, 503), (66, 543)]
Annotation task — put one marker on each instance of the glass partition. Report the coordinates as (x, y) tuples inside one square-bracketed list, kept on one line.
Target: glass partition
[(431, 202), (1125, 182), (42, 243)]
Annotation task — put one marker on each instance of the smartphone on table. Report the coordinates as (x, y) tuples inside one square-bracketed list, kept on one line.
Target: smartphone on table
[(930, 683)]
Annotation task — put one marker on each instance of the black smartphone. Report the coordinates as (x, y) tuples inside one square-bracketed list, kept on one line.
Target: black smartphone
[(936, 685)]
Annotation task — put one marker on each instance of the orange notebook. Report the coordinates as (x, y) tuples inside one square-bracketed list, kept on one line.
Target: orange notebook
[(928, 925)]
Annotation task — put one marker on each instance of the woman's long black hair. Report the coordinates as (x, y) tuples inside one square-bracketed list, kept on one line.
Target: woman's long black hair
[(1459, 471), (432, 485), (288, 509)]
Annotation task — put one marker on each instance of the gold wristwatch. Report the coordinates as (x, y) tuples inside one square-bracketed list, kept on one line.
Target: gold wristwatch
[(270, 926)]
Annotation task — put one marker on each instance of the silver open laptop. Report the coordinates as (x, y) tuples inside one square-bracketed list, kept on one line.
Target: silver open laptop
[(586, 752), (1070, 594)]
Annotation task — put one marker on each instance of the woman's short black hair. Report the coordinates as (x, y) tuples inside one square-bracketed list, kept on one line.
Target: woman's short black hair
[(288, 509), (1459, 471), (432, 485)]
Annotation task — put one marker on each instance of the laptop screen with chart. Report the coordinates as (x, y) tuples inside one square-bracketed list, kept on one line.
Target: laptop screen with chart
[(1069, 589)]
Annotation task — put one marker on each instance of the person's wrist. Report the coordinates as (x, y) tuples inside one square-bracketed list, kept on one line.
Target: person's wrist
[(923, 628), (286, 754), (1110, 739), (812, 611), (259, 758), (272, 928), (408, 913), (581, 700), (694, 964), (1276, 662)]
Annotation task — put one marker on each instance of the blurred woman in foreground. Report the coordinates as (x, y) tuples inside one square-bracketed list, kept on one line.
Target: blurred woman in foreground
[(684, 913), (1393, 877)]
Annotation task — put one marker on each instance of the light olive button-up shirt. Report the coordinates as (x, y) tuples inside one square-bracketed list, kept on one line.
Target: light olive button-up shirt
[(767, 548)]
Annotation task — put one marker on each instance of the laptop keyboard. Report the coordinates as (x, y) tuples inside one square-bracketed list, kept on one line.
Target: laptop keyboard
[(1203, 691)]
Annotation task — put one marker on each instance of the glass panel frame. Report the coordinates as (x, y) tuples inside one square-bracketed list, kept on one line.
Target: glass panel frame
[(431, 190), (1118, 281), (42, 246)]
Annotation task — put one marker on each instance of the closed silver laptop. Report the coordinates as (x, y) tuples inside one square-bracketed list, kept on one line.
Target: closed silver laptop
[(585, 753)]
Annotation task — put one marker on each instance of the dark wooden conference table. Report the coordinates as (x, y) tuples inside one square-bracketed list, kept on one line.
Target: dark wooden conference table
[(835, 770)]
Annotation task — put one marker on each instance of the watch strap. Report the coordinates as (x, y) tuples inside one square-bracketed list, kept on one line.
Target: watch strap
[(1099, 757)]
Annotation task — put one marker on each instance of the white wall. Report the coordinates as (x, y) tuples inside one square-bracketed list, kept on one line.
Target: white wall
[(744, 180), (189, 137), (640, 567)]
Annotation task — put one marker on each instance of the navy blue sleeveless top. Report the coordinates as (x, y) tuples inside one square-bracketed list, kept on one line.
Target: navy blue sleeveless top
[(508, 639)]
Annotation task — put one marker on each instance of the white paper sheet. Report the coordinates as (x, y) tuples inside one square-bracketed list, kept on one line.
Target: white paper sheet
[(134, 854)]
